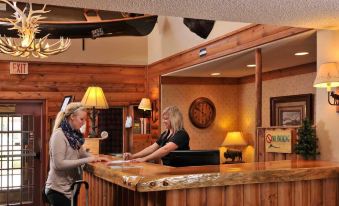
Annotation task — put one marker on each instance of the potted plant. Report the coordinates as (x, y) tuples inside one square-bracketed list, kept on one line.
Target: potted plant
[(306, 145)]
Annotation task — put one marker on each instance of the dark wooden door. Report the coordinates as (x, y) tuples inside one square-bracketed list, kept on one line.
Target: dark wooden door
[(111, 120), (21, 132)]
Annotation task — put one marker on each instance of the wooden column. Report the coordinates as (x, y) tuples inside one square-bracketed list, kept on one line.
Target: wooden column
[(258, 92)]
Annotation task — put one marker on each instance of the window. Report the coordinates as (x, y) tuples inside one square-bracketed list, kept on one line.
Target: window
[(10, 152)]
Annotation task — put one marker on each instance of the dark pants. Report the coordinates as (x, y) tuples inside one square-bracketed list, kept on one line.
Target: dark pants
[(57, 198)]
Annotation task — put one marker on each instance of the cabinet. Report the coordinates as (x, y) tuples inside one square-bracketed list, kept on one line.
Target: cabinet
[(139, 134), (92, 145), (141, 121), (140, 141)]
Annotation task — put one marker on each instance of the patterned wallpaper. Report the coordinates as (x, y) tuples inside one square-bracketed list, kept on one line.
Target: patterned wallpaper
[(235, 105), (292, 85), (225, 100)]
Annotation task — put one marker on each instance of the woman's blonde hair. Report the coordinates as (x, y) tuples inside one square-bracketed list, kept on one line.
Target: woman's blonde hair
[(72, 108), (175, 117)]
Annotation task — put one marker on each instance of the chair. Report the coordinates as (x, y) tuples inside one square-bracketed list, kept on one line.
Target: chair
[(75, 187)]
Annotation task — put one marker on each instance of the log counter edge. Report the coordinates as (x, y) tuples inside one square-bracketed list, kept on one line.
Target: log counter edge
[(253, 183)]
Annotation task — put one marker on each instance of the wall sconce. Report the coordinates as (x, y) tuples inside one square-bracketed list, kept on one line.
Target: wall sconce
[(94, 98), (234, 139), (328, 77)]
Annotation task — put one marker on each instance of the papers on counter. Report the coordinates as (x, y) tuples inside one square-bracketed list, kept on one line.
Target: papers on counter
[(119, 164), (124, 166), (118, 161)]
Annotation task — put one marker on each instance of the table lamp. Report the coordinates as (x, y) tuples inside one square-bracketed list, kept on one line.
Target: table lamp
[(94, 98), (145, 104), (234, 139)]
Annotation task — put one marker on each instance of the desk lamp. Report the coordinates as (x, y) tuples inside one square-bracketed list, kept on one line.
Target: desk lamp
[(233, 139), (94, 98)]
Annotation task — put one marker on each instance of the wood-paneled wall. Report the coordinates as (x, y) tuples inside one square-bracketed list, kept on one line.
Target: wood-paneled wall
[(122, 85)]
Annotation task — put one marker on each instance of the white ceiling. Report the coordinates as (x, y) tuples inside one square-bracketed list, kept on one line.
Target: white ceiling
[(320, 14), (276, 55)]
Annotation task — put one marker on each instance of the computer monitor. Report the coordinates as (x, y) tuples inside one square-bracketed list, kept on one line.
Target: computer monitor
[(182, 158)]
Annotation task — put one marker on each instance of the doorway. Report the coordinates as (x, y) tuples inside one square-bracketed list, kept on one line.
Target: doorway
[(21, 132), (111, 120)]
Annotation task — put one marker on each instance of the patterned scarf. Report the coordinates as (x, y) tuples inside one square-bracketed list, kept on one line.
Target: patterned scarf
[(73, 136)]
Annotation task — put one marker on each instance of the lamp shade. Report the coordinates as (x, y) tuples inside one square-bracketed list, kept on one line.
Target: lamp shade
[(234, 139), (145, 104), (327, 76), (94, 97)]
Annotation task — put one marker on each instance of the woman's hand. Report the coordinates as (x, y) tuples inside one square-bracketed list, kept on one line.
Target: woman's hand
[(103, 159), (98, 159), (127, 156)]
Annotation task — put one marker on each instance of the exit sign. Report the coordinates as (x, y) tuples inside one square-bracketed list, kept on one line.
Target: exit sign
[(18, 68)]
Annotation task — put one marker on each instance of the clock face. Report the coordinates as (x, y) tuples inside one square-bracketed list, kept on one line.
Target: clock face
[(202, 112)]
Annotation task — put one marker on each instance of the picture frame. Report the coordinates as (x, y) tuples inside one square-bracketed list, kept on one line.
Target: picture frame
[(65, 102), (291, 110)]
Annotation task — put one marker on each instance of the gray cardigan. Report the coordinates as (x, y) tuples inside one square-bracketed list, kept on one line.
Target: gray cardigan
[(64, 163)]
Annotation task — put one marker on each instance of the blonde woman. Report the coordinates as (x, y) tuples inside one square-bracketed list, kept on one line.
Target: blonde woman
[(66, 154), (173, 138)]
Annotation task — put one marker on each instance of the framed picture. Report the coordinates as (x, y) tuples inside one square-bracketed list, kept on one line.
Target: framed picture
[(291, 110), (65, 102)]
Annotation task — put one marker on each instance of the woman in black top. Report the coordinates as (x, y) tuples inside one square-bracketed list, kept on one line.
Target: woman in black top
[(173, 138)]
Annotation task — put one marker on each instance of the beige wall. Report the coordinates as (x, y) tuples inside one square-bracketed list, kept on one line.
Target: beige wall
[(171, 36), (109, 50), (225, 100), (235, 106), (327, 120), (292, 85)]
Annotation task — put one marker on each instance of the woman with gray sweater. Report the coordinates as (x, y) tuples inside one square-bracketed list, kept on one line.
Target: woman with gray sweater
[(67, 154)]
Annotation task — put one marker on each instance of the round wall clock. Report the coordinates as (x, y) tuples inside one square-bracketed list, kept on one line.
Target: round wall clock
[(202, 112)]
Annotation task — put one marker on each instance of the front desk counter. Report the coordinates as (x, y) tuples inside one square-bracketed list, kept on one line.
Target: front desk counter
[(286, 182)]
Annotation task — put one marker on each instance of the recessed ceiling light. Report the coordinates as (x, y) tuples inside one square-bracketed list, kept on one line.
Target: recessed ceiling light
[(301, 53), (215, 74), (251, 65)]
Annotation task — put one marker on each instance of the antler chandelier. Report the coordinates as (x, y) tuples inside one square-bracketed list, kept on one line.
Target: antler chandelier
[(27, 27)]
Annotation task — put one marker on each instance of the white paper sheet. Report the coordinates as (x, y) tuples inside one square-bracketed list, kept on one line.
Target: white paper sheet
[(125, 167), (118, 161)]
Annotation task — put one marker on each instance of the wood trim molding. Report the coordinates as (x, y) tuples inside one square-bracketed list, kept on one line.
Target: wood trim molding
[(38, 63), (258, 86), (245, 38), (199, 80), (280, 73), (204, 44), (275, 74)]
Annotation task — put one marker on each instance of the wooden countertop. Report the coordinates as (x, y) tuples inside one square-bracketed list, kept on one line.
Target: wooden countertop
[(144, 177)]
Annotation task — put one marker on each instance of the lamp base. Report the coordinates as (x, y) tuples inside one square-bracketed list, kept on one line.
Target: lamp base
[(93, 133), (233, 154)]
